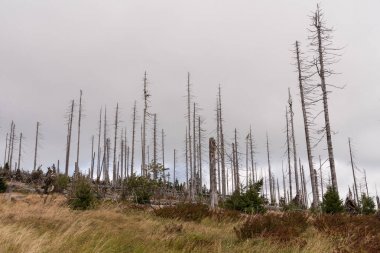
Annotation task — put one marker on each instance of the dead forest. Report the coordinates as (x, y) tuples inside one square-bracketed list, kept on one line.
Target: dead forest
[(127, 160)]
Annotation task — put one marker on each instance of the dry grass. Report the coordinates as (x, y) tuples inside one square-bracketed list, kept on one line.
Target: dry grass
[(32, 224)]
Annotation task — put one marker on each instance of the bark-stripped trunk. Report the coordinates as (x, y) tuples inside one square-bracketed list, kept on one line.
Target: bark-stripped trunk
[(322, 74), (306, 127), (293, 142), (114, 175), (79, 124), (288, 152), (222, 150), (68, 144), (19, 152), (353, 173), (213, 190), (36, 146)]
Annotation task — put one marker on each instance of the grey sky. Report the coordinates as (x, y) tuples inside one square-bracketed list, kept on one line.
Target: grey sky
[(51, 49)]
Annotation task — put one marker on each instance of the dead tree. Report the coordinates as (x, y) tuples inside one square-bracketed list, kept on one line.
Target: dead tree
[(79, 123), (6, 148), (365, 180), (272, 196), (218, 143), (11, 144), (105, 149), (320, 41), (194, 153), (155, 147), (290, 102), (163, 154), (36, 146), (187, 160), (122, 157), (190, 155), (222, 150), (174, 163), (200, 151), (306, 121), (92, 158), (213, 190), (133, 138), (246, 161), (19, 152), (283, 182), (69, 130), (145, 115), (114, 178), (99, 148), (320, 174), (251, 153), (288, 153), (353, 173), (237, 176)]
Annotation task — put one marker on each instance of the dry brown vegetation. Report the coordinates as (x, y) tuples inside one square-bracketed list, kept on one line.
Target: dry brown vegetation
[(31, 223)]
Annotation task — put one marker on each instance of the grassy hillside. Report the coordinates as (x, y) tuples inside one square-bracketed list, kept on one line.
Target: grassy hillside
[(30, 223)]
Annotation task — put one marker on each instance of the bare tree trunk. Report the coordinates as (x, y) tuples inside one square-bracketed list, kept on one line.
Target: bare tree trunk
[(106, 151), (306, 126), (222, 150), (12, 145), (79, 122), (233, 169), (293, 141), (187, 161), (36, 146), (146, 96), (353, 172), (195, 181), (365, 180), (218, 143), (237, 176), (163, 153), (155, 146), (246, 161), (321, 33), (19, 152), (251, 152), (133, 139), (68, 144), (92, 158), (288, 152), (200, 152), (270, 175), (174, 163), (283, 184), (5, 152), (121, 158), (304, 186), (99, 149), (189, 138), (320, 173), (213, 190), (114, 176)]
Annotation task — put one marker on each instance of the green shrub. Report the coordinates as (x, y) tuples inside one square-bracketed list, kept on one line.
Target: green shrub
[(331, 202), (61, 183), (368, 205), (140, 188), (249, 201), (3, 185), (82, 196)]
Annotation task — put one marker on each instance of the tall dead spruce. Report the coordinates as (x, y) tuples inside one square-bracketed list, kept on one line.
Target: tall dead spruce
[(325, 56), (213, 189), (305, 105)]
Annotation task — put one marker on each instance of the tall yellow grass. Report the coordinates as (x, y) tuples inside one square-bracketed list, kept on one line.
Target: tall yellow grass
[(30, 223)]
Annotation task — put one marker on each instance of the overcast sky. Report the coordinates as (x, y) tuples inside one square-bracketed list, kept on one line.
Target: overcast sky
[(49, 50)]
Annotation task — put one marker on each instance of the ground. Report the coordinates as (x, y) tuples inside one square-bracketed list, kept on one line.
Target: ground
[(35, 223)]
